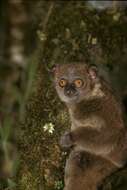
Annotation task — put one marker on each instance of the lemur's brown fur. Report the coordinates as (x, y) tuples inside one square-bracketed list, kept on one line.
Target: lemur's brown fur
[(96, 116), (84, 171)]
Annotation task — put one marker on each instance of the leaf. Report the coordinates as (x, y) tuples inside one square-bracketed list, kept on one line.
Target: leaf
[(11, 183), (5, 129)]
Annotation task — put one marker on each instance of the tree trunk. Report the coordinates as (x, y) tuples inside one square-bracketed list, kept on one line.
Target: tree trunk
[(62, 32)]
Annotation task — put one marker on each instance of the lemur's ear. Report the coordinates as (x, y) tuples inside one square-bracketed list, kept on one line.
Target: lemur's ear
[(54, 69), (93, 71)]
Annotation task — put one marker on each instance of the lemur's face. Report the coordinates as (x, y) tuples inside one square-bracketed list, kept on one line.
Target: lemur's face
[(72, 82)]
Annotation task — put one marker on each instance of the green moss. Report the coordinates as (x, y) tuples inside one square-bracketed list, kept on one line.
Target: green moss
[(70, 35)]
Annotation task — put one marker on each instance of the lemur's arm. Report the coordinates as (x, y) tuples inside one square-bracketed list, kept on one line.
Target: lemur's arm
[(104, 143)]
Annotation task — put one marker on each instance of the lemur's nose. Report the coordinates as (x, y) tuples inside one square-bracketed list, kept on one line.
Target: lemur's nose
[(70, 90)]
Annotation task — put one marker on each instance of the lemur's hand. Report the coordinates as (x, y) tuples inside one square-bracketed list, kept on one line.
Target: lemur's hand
[(66, 140)]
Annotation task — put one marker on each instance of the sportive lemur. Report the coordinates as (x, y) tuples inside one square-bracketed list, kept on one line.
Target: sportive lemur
[(95, 112)]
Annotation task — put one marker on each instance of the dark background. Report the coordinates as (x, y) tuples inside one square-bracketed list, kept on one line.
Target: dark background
[(34, 35)]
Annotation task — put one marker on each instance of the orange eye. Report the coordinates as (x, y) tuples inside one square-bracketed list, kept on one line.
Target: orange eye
[(62, 83), (78, 83)]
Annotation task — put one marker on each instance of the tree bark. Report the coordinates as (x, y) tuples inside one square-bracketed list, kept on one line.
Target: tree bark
[(63, 32)]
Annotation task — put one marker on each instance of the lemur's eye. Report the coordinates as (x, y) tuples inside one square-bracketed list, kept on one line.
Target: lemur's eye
[(62, 83), (78, 83)]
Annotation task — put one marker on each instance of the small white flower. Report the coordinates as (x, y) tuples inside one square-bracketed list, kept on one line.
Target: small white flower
[(49, 127)]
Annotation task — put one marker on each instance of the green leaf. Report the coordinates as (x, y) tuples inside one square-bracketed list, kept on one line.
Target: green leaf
[(11, 183), (5, 129)]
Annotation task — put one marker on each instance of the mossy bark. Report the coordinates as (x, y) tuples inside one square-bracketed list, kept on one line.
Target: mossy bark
[(73, 32)]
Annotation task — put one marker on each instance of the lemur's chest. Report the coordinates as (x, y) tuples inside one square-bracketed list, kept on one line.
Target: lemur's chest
[(92, 121)]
